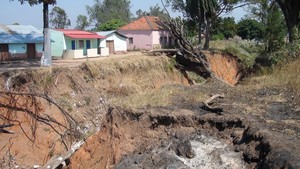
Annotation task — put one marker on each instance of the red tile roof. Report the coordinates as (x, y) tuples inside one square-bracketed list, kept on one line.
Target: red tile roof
[(78, 34), (144, 23)]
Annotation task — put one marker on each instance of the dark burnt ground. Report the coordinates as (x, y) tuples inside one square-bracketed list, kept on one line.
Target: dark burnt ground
[(273, 115)]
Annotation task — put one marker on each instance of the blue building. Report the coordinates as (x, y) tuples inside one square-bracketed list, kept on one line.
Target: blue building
[(20, 42)]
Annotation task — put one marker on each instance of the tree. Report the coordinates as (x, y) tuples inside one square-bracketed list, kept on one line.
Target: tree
[(291, 11), (59, 19), (47, 58), (204, 12), (224, 27), (250, 29), (82, 22), (153, 11), (269, 14), (106, 10), (113, 24)]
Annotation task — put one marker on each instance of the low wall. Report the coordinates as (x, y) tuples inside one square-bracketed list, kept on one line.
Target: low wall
[(92, 53), (104, 51), (73, 54)]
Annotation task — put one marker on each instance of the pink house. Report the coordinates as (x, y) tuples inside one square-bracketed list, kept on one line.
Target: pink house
[(146, 33)]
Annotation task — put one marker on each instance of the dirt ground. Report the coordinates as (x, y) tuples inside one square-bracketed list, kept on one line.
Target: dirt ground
[(260, 122)]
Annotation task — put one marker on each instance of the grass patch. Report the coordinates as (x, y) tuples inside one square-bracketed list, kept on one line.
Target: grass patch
[(285, 75), (168, 95), (195, 77)]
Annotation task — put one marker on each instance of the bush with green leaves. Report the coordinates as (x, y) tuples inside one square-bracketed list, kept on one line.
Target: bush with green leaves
[(247, 52)]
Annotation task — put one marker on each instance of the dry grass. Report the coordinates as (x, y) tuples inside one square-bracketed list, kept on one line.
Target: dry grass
[(286, 75), (168, 95), (130, 64), (134, 81)]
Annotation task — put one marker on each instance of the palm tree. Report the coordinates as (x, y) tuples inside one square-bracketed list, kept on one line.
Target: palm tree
[(203, 11), (47, 58)]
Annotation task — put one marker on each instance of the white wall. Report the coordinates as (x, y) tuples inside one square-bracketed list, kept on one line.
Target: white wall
[(104, 51), (92, 53), (119, 42), (102, 43)]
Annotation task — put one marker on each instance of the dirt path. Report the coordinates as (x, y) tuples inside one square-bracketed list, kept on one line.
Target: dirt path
[(35, 64)]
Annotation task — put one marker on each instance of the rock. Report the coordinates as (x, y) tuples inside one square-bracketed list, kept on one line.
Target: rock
[(184, 148)]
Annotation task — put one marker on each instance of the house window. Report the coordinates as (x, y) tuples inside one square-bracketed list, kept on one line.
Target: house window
[(161, 40), (130, 40), (81, 44)]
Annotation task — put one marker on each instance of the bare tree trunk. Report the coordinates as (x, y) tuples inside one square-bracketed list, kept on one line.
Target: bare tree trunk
[(291, 11), (207, 34), (46, 59), (199, 35)]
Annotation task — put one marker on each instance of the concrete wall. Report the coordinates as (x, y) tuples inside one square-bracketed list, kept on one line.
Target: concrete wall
[(58, 44), (104, 51), (161, 39), (19, 51), (102, 43), (17, 48), (73, 54), (77, 44), (92, 52), (147, 39), (120, 43), (141, 39)]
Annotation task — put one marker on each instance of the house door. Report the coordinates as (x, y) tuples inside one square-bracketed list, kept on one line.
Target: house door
[(98, 46), (88, 44), (4, 53), (30, 50), (111, 46), (73, 45)]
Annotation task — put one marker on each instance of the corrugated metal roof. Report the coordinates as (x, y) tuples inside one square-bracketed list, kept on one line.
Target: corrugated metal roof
[(20, 34), (107, 33), (78, 34)]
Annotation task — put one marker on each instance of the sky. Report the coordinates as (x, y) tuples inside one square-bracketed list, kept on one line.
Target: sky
[(14, 12)]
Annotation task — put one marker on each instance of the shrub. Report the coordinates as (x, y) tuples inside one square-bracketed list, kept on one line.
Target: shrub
[(247, 58)]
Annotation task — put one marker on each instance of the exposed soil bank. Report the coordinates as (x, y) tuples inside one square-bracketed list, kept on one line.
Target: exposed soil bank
[(227, 67), (160, 112), (145, 138)]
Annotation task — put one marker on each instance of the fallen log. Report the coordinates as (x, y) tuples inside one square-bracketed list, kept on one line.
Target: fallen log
[(206, 104), (3, 130), (57, 161)]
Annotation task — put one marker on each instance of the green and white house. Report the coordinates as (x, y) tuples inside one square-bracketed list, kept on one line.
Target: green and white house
[(75, 44)]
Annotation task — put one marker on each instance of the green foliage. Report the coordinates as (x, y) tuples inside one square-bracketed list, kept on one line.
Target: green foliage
[(153, 11), (195, 77), (247, 52), (204, 13), (218, 36), (269, 14), (223, 28), (107, 10), (251, 29), (59, 19), (275, 31), (82, 22), (113, 24), (35, 2)]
